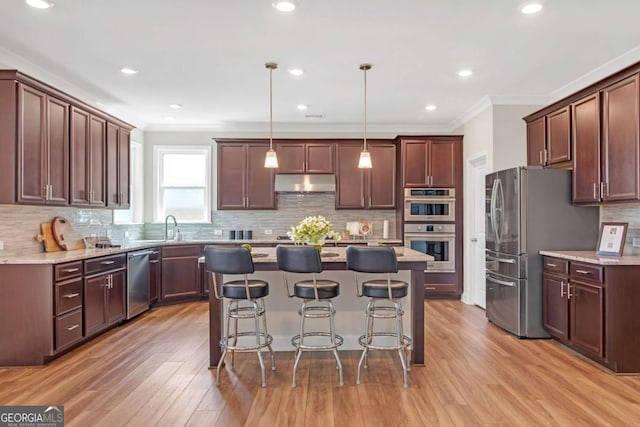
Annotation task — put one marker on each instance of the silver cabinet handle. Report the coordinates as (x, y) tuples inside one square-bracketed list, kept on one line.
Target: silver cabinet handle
[(569, 294), (546, 158), (601, 190), (504, 260), (551, 265), (69, 296), (541, 164), (595, 195), (70, 270), (561, 288), (583, 271), (71, 328), (430, 288), (501, 282), (107, 262)]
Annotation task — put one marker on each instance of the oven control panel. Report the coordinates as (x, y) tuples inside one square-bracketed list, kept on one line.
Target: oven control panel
[(429, 228)]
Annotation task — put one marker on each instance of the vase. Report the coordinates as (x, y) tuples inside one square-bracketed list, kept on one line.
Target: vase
[(316, 243)]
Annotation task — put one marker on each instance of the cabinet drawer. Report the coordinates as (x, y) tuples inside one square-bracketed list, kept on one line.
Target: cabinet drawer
[(106, 263), (67, 271), (587, 271), (181, 251), (556, 265), (68, 296), (68, 329)]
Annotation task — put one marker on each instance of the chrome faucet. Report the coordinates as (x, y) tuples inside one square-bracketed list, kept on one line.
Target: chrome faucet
[(166, 228)]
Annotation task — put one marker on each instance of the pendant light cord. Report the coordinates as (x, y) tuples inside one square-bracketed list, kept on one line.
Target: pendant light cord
[(271, 108), (365, 67)]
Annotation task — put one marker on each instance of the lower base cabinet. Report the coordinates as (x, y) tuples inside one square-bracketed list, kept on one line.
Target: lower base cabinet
[(155, 275), (180, 273), (104, 293), (593, 309)]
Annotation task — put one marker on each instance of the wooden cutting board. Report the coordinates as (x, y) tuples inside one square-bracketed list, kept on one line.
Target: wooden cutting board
[(65, 236), (50, 244)]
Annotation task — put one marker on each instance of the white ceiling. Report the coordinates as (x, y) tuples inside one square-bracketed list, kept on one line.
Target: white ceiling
[(209, 55)]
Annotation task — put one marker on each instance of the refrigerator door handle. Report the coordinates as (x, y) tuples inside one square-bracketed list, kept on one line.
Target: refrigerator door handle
[(501, 282), (493, 210), (505, 260), (499, 208)]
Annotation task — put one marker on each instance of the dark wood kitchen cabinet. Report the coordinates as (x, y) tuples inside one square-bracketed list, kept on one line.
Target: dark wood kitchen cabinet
[(558, 150), (243, 181), (305, 157), (430, 162), (104, 292), (180, 273), (536, 142), (68, 304), (155, 275), (555, 306), (117, 166), (585, 139), (43, 148), (373, 188), (88, 149)]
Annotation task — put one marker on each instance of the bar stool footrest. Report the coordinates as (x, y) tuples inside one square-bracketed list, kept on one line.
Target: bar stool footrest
[(265, 341), (363, 343), (295, 341)]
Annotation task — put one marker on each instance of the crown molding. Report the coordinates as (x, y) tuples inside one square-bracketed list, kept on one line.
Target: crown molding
[(470, 113)]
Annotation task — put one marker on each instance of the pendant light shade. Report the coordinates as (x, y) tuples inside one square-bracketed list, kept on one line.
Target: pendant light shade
[(365, 156), (271, 159)]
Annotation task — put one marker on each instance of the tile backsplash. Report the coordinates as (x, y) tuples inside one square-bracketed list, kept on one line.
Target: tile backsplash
[(291, 209), (19, 224)]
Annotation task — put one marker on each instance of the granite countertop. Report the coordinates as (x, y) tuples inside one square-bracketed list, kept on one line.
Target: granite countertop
[(592, 258), (337, 254), (67, 256)]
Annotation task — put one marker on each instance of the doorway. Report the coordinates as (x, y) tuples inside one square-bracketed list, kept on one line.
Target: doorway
[(475, 277)]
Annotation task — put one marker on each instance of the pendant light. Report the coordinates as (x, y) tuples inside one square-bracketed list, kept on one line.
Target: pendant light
[(365, 156), (271, 160)]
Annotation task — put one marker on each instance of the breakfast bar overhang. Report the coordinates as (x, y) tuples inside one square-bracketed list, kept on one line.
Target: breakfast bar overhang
[(411, 266)]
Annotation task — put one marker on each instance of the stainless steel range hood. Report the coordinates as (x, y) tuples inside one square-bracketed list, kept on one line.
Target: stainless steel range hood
[(324, 183)]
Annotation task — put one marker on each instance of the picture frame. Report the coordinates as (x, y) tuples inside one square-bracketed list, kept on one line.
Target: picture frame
[(612, 238)]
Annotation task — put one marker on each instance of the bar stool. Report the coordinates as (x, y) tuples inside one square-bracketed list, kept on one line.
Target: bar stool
[(380, 260), (250, 293), (316, 295)]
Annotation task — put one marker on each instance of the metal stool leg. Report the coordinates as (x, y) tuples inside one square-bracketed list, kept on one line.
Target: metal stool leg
[(401, 343), (266, 333), (224, 344), (332, 331), (407, 352), (257, 326), (298, 354), (235, 338)]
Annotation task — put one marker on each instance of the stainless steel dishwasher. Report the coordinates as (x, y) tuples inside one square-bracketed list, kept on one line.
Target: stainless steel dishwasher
[(137, 282)]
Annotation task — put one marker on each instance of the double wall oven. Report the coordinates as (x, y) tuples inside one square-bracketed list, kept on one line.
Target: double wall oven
[(429, 215)]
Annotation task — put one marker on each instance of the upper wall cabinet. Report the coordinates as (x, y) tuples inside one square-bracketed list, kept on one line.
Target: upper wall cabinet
[(37, 126), (305, 157), (243, 181), (604, 123), (117, 170), (373, 188), (549, 139), (430, 162)]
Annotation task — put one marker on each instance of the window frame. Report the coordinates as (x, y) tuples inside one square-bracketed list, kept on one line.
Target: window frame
[(159, 151)]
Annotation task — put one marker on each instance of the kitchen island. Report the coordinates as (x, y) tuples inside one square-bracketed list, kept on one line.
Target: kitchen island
[(282, 311)]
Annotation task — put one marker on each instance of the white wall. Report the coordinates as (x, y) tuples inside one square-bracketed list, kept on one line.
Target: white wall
[(510, 135)]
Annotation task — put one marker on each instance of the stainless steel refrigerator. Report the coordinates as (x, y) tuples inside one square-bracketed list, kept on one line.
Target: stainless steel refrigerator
[(528, 210)]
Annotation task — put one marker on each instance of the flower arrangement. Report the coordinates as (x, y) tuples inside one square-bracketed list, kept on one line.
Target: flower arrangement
[(313, 230)]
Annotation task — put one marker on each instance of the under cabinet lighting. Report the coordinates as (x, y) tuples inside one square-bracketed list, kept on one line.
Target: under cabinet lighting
[(40, 4)]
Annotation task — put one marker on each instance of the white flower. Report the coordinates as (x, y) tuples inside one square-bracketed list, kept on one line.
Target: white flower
[(312, 230)]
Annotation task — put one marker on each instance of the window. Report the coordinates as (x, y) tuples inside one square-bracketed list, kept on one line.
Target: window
[(182, 183), (133, 215)]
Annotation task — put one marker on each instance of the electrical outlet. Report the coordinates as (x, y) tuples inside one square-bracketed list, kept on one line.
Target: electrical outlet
[(636, 242), (268, 231), (217, 231), (1, 245)]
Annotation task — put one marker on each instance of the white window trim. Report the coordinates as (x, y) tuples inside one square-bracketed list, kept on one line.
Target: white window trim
[(158, 150), (136, 193)]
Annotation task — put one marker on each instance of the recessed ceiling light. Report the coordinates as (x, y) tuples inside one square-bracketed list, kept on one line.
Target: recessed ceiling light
[(284, 6), (431, 107), (168, 118), (302, 107), (175, 106), (40, 4), (128, 71), (297, 72), (531, 8), (465, 73)]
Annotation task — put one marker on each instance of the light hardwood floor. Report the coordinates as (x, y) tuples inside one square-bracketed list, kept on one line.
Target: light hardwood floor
[(153, 371)]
